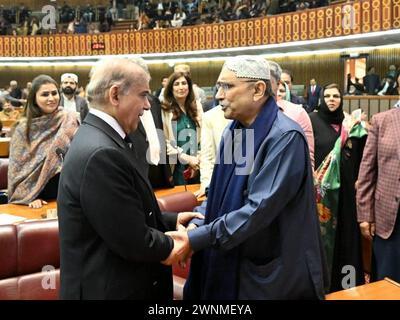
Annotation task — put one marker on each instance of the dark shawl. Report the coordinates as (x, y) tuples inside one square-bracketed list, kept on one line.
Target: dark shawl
[(216, 272)]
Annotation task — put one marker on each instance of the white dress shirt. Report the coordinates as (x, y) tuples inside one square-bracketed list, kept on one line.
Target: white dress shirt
[(153, 152), (109, 120)]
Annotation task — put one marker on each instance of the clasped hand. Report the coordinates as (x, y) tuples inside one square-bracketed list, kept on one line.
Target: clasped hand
[(182, 250)]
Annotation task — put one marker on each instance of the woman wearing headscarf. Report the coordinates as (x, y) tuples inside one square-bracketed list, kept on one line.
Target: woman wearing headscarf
[(339, 143), (40, 140)]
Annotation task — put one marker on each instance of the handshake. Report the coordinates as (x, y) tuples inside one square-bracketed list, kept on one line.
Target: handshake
[(182, 250)]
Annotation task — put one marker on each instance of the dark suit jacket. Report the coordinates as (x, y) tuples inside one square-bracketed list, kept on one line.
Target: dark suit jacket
[(312, 98), (371, 83), (111, 230), (81, 106), (16, 94), (160, 176)]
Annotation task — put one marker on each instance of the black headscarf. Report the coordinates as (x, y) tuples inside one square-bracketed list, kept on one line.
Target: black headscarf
[(331, 117)]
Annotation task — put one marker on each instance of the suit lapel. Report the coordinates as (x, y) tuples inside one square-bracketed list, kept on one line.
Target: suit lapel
[(106, 128), (141, 129), (77, 105), (132, 158), (103, 126)]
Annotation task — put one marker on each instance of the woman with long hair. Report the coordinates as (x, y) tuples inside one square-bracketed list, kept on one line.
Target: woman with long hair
[(181, 115), (339, 143), (40, 139)]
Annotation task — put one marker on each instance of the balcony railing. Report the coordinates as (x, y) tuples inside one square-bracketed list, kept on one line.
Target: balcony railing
[(350, 18)]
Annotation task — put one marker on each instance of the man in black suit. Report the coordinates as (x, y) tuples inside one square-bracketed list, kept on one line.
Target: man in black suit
[(16, 93), (112, 239), (149, 139), (371, 81), (313, 92), (69, 99), (164, 83)]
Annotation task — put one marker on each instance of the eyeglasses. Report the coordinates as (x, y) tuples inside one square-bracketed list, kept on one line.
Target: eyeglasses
[(225, 86)]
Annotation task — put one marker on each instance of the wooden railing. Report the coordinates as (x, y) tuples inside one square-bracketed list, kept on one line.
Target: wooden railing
[(342, 19), (369, 104)]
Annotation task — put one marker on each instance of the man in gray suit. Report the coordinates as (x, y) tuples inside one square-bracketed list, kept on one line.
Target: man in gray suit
[(69, 100)]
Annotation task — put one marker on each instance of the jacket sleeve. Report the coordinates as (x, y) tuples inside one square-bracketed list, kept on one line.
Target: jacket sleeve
[(113, 205), (277, 182), (368, 175), (170, 219), (305, 123), (172, 148)]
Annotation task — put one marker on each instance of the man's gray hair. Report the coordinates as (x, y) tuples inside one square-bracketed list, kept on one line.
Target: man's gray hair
[(112, 71), (252, 67), (275, 69)]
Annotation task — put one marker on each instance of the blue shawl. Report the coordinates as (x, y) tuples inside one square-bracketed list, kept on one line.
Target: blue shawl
[(214, 273)]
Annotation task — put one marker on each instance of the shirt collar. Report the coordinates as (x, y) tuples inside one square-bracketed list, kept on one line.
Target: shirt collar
[(109, 120)]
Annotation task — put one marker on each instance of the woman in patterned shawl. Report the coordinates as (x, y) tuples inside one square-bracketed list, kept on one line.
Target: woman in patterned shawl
[(37, 145)]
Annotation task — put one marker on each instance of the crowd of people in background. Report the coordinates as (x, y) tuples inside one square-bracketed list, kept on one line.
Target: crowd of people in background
[(143, 14), (373, 84)]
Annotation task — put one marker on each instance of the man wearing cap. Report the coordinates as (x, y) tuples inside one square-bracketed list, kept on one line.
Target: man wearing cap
[(260, 238), (69, 99)]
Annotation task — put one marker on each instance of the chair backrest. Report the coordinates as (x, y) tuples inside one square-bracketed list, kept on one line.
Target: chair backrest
[(3, 173), (178, 202), (8, 251), (38, 246), (28, 247)]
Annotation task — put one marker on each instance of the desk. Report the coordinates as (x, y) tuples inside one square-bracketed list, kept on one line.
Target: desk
[(29, 213), (8, 123), (190, 187), (25, 211), (4, 147), (380, 290), (164, 192)]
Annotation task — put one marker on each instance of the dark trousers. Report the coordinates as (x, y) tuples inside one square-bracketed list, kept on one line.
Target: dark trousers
[(386, 255)]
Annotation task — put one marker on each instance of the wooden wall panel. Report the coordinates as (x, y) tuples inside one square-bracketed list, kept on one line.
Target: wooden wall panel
[(324, 68)]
